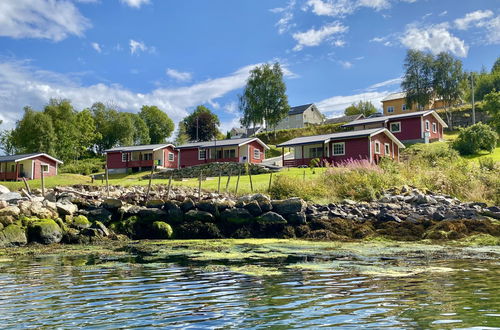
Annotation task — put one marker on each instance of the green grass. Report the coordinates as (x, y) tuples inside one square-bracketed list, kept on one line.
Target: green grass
[(451, 136), (50, 182)]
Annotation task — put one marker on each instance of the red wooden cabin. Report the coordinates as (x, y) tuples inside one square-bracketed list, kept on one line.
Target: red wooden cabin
[(369, 144), (29, 166), (142, 157)]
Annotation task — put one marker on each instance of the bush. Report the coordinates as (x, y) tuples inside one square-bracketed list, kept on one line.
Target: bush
[(83, 166), (487, 164), (431, 154), (475, 138)]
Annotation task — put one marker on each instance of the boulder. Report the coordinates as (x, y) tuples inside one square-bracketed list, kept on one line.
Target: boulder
[(66, 208), (4, 190), (99, 225), (298, 218), (289, 206), (152, 215), (271, 218), (195, 215), (45, 231), (207, 206), (10, 197), (3, 204), (187, 205), (112, 203), (254, 208), (80, 222), (6, 220), (155, 203), (237, 216), (99, 214), (11, 210), (174, 212), (13, 235), (385, 216), (162, 230)]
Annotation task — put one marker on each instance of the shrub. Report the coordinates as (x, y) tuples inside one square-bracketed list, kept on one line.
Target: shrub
[(475, 138), (431, 154), (487, 164), (83, 166)]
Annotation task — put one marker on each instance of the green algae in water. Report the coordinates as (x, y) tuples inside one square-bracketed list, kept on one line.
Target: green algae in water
[(256, 270)]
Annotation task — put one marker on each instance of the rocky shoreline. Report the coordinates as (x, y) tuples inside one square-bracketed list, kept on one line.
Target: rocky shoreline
[(86, 214)]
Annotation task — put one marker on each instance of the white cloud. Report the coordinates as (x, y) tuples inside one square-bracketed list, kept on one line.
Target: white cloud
[(443, 13), (435, 39), (472, 18), (314, 37), (22, 84), (134, 3), (139, 46), (178, 75), (346, 64), (284, 24), (336, 105), (389, 82), (54, 20), (231, 108), (96, 47), (341, 8), (493, 30), (375, 4)]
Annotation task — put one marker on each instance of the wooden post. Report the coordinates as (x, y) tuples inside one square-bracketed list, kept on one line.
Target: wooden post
[(270, 180), (107, 181), (199, 185), (283, 156), (304, 176), (149, 184), (218, 185), (43, 180), (250, 176), (169, 184), (228, 179), (238, 182), (27, 185)]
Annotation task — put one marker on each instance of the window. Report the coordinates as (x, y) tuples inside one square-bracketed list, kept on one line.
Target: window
[(390, 109), (316, 152), (147, 156), (387, 149), (427, 125), (377, 147), (45, 168), (256, 153), (395, 127), (125, 157), (12, 168), (434, 127), (339, 149), (170, 156), (231, 153), (403, 107), (202, 154)]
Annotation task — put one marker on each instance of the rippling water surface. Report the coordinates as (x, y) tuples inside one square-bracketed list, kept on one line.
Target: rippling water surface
[(71, 292)]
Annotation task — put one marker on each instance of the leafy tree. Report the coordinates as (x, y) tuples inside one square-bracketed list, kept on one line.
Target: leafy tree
[(34, 133), (201, 125), (159, 124), (447, 79), (7, 142), (492, 105), (264, 98), (87, 131), (496, 66), (181, 137), (485, 83), (475, 138), (365, 108), (140, 134), (115, 128), (418, 78)]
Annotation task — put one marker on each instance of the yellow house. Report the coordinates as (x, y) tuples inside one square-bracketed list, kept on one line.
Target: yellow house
[(395, 104)]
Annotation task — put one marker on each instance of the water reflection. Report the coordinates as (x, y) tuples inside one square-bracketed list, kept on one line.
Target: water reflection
[(73, 292)]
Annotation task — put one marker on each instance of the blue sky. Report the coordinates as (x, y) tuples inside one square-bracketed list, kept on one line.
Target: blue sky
[(178, 54)]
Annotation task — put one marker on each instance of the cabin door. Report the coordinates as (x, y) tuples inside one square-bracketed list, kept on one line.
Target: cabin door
[(426, 137), (21, 171)]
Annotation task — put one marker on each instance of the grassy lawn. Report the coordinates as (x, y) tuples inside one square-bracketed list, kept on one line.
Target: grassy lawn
[(451, 136), (50, 182)]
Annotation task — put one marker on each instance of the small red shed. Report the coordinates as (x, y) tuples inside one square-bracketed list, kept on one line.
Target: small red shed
[(414, 127), (369, 144), (245, 150), (141, 157), (29, 166)]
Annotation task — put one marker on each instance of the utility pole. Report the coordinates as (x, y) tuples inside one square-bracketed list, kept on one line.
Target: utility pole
[(197, 124), (473, 105)]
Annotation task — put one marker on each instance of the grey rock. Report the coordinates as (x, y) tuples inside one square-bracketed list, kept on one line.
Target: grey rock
[(187, 205), (254, 208), (271, 218), (296, 218), (10, 197), (13, 235), (384, 216), (289, 206), (45, 232), (99, 225), (66, 209), (152, 215), (4, 190), (112, 203), (10, 210), (155, 203), (238, 216), (174, 212), (3, 204), (99, 214), (195, 215), (438, 216), (207, 206)]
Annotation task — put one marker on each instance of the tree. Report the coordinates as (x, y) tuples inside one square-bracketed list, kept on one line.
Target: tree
[(181, 137), (201, 125), (365, 108), (114, 128), (418, 78), (492, 105), (158, 122), (475, 138), (496, 66), (446, 82), (87, 135), (33, 133), (7, 142), (140, 134), (264, 98)]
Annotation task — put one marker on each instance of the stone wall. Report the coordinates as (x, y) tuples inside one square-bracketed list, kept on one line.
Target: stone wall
[(212, 170)]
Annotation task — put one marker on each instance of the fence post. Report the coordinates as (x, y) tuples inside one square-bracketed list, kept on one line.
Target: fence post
[(149, 184), (218, 185), (270, 180), (169, 185), (238, 182), (43, 180), (199, 185), (107, 182), (228, 179), (27, 185), (250, 176), (304, 176)]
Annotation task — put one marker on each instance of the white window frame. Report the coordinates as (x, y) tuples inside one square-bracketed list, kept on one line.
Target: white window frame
[(387, 149), (204, 152), (427, 126), (171, 156), (48, 168), (434, 127), (125, 157), (393, 131), (343, 149), (256, 153), (390, 109), (377, 147), (403, 107)]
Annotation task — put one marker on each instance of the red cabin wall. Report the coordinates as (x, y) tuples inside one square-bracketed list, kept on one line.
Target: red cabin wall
[(38, 161), (411, 128), (172, 164), (189, 157), (439, 132), (114, 160), (357, 148), (382, 138), (256, 145)]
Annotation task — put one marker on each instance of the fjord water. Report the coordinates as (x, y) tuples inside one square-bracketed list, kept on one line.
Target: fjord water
[(71, 292)]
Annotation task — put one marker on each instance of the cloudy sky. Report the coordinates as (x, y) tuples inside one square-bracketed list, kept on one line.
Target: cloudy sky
[(178, 54)]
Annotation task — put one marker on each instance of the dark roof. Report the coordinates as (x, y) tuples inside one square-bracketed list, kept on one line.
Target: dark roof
[(343, 119), (383, 119), (144, 147), (15, 158), (220, 143), (299, 109), (325, 138), (240, 130)]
